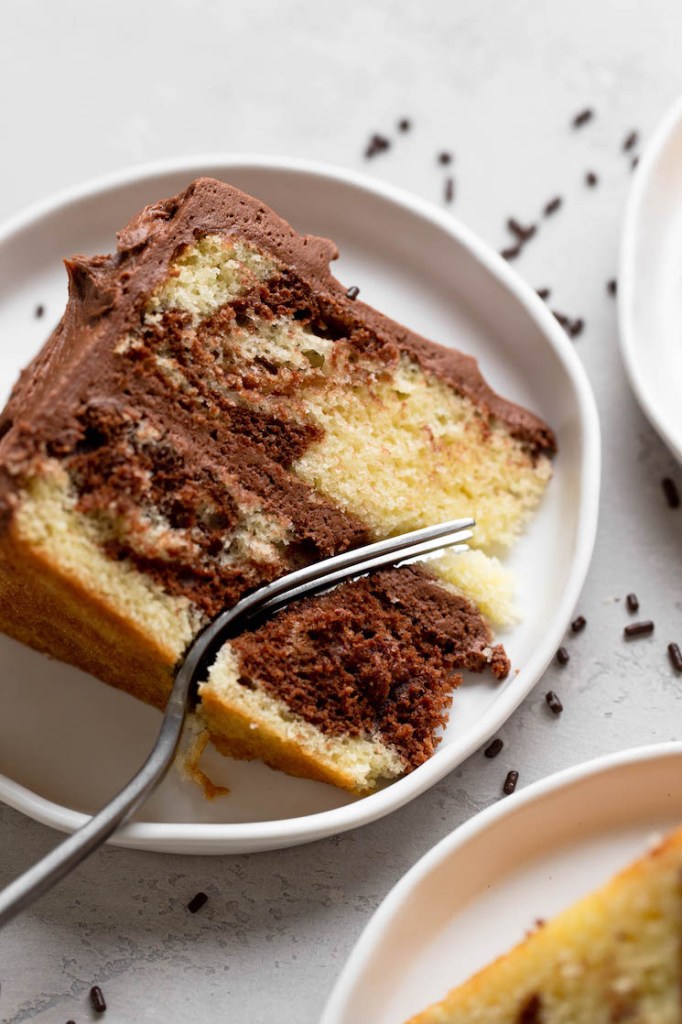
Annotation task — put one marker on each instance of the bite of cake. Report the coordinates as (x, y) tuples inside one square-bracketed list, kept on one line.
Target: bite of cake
[(213, 410)]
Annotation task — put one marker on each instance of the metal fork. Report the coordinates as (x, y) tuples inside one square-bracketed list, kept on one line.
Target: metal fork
[(295, 585)]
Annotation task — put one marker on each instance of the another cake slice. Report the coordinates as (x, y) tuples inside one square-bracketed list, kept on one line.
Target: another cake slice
[(213, 410), (615, 956)]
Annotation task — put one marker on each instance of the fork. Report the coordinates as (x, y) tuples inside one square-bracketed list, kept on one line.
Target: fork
[(291, 587)]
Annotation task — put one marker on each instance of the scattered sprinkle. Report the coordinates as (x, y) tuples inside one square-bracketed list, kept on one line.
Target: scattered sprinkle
[(376, 144), (353, 292), (612, 286), (591, 179), (675, 655), (522, 232), (634, 162), (562, 656), (645, 628), (578, 625), (445, 158), (197, 902), (39, 311), (449, 191), (404, 124), (672, 495), (544, 293), (510, 782), (632, 601), (552, 206), (97, 999), (511, 252), (493, 749), (572, 327), (554, 703), (583, 117), (630, 141)]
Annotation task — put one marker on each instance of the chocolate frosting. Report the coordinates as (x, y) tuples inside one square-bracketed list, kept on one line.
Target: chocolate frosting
[(106, 295)]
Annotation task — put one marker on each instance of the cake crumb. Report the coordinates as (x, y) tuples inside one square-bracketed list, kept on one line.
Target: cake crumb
[(189, 761)]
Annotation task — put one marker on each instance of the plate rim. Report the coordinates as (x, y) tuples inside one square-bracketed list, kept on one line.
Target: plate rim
[(241, 837), (665, 130), (463, 834)]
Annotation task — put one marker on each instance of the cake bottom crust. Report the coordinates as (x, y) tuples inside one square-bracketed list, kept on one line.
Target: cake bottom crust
[(56, 615)]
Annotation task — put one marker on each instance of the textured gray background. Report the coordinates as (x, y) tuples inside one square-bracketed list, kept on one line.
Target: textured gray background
[(92, 87)]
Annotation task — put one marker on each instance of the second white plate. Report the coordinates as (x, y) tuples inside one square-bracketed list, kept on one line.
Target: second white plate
[(67, 743), (650, 281), (477, 893)]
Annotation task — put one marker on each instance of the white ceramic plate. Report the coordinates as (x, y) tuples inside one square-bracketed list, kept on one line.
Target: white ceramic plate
[(67, 742), (476, 893), (650, 282)]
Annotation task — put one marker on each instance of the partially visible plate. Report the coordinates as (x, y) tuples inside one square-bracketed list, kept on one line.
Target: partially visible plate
[(67, 742), (477, 893), (650, 282)]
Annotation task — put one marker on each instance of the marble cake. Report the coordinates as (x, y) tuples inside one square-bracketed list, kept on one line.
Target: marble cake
[(215, 409)]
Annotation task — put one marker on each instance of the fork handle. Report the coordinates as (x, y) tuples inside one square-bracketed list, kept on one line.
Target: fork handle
[(76, 847)]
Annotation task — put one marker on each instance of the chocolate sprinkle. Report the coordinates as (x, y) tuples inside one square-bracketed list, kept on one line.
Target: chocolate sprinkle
[(562, 656), (630, 141), (672, 495), (544, 293), (510, 782), (493, 749), (197, 902), (511, 252), (445, 158), (578, 624), (612, 286), (97, 999), (583, 117), (554, 703), (572, 327), (552, 206), (40, 311), (632, 601), (377, 144), (645, 628), (404, 124), (521, 232), (591, 179), (634, 162), (675, 655), (531, 1011), (449, 189), (353, 292)]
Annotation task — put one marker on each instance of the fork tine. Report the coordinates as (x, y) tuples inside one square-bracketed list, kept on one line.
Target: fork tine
[(318, 570), (391, 557)]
